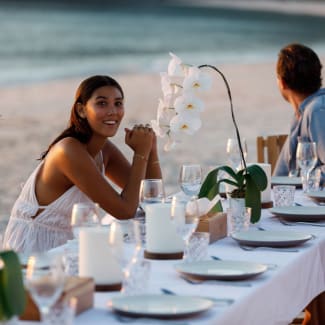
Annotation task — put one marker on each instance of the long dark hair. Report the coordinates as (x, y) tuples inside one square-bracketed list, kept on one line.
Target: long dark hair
[(78, 126)]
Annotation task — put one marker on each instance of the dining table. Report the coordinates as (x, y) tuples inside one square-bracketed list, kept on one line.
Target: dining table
[(293, 278)]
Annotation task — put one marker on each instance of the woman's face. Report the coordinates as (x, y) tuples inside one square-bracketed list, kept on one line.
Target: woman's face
[(104, 110)]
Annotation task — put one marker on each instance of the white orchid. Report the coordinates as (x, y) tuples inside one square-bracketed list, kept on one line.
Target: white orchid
[(188, 103), (175, 68), (179, 110), (185, 123), (196, 80)]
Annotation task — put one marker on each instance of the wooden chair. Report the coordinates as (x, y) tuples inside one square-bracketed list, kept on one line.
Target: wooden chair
[(269, 148)]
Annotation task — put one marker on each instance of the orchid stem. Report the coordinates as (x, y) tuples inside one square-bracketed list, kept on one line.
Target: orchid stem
[(231, 108)]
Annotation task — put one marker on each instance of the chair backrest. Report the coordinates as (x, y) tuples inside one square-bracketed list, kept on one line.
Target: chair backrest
[(269, 148)]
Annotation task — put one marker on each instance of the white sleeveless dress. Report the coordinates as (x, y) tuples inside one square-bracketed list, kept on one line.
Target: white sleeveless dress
[(51, 227)]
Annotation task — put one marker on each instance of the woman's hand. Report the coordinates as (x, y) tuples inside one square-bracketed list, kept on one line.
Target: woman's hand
[(140, 139)]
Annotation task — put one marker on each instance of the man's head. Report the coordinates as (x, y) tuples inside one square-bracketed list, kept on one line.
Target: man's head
[(299, 69)]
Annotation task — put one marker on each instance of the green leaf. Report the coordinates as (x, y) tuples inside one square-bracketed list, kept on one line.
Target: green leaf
[(258, 176), (12, 292), (209, 182), (253, 198)]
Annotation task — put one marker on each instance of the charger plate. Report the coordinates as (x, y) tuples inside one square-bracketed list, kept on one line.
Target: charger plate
[(300, 213), (286, 180), (317, 196), (159, 306), (221, 270), (271, 238)]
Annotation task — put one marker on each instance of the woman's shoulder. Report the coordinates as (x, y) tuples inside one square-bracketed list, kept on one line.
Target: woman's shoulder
[(68, 147)]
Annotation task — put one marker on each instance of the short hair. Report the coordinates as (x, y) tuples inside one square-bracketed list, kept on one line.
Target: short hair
[(300, 68)]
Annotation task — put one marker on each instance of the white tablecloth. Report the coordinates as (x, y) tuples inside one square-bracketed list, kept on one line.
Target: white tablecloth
[(275, 297)]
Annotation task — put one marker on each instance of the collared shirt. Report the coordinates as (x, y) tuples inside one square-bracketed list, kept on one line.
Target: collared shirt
[(310, 126)]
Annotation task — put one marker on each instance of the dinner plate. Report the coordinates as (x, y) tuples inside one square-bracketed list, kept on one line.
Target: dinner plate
[(221, 270), (286, 180), (270, 238), (161, 306), (300, 213), (318, 196)]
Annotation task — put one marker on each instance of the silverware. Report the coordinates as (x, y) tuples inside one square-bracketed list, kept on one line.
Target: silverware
[(278, 249), (270, 266), (225, 301), (306, 223), (192, 280)]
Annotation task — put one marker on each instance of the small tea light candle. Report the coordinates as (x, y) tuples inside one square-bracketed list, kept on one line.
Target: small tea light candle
[(161, 236), (96, 258)]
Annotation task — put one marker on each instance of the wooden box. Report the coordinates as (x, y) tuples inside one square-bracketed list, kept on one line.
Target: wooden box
[(215, 224), (80, 288)]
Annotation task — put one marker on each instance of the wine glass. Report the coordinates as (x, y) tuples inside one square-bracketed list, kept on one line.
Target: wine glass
[(306, 156), (151, 191), (45, 280), (185, 216), (84, 215), (233, 152), (190, 179)]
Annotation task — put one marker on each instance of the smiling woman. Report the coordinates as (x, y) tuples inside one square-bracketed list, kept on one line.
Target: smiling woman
[(74, 167)]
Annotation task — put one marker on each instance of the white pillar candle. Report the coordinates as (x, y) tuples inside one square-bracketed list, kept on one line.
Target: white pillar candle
[(266, 194), (96, 258), (161, 236)]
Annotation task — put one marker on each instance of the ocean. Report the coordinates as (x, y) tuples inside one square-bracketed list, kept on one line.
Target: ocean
[(52, 41)]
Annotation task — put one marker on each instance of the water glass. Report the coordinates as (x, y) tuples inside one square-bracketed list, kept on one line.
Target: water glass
[(234, 154), (313, 179), (306, 156), (197, 248), (45, 280), (136, 277), (151, 191), (190, 179), (283, 195), (238, 219), (62, 312)]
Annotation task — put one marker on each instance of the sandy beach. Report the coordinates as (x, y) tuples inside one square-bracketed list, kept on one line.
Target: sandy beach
[(32, 115)]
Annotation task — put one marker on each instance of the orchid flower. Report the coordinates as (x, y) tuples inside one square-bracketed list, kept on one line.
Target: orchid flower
[(196, 80), (188, 103), (175, 66), (185, 123)]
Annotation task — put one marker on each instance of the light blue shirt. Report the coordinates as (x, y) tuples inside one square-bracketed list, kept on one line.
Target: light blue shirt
[(310, 126)]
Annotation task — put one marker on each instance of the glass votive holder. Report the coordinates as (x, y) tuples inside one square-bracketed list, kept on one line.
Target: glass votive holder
[(283, 195), (313, 179), (136, 277), (71, 258), (62, 313), (197, 248), (238, 219)]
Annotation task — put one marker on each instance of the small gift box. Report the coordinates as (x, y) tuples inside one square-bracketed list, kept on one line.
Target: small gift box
[(215, 224), (80, 288)]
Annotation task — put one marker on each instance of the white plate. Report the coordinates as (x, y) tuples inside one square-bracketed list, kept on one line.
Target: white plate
[(318, 196), (271, 238), (161, 306), (221, 270), (299, 213), (286, 180)]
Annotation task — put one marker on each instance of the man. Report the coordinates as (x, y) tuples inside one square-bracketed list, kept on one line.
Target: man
[(299, 81)]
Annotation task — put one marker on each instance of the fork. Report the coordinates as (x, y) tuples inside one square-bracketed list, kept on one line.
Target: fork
[(289, 223), (192, 280), (225, 301), (278, 249)]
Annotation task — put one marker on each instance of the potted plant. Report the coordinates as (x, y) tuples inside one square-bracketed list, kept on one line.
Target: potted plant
[(248, 183), (12, 291)]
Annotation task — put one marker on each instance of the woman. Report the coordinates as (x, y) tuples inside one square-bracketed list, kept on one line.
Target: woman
[(73, 170)]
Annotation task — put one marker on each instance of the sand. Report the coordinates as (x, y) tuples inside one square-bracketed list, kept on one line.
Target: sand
[(33, 115)]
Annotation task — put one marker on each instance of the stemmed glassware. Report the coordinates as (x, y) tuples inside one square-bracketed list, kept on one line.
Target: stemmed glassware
[(45, 280), (185, 216), (151, 191), (190, 179), (84, 215), (306, 157), (233, 152)]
